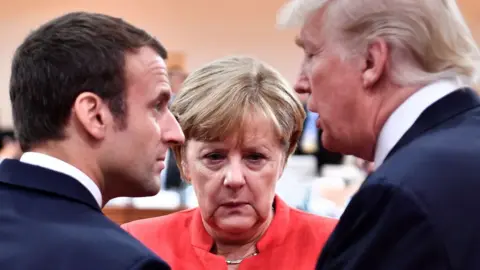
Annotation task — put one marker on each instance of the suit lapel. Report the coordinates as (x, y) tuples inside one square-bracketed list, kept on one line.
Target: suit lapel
[(16, 173), (444, 109)]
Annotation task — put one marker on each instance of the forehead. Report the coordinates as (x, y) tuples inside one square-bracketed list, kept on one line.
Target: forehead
[(251, 132), (256, 128), (145, 69)]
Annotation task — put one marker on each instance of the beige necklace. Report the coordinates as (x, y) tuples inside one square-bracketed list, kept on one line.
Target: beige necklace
[(235, 262)]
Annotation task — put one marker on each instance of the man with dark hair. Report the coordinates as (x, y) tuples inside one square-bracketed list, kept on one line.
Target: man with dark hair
[(89, 96)]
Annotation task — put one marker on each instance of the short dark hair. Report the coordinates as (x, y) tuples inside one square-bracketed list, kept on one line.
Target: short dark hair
[(71, 54)]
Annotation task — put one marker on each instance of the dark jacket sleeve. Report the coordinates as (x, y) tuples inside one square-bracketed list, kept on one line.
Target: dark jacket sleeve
[(150, 263), (384, 228)]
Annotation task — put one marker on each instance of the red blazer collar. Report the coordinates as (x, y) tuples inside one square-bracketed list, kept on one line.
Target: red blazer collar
[(274, 236)]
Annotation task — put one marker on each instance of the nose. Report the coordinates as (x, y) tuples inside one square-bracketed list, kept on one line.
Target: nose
[(173, 133), (302, 85), (234, 178)]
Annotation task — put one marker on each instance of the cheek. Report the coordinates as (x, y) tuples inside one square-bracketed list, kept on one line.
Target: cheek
[(332, 82), (206, 184), (262, 186), (156, 124), (199, 178), (262, 181), (319, 68), (147, 125), (320, 79)]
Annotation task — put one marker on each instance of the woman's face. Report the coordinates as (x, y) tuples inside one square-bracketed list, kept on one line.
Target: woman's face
[(235, 182)]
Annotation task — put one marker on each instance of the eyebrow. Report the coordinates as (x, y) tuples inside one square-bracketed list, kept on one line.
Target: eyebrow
[(163, 96)]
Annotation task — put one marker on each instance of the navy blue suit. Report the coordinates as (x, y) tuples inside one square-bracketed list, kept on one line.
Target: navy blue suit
[(49, 221), (421, 208)]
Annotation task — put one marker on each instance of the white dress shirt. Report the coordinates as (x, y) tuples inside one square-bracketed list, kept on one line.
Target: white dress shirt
[(60, 166), (407, 113)]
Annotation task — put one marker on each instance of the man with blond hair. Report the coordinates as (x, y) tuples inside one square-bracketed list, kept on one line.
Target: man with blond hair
[(390, 80)]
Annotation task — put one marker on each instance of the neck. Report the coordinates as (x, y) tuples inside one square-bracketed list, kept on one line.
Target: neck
[(235, 252), (388, 103), (73, 156)]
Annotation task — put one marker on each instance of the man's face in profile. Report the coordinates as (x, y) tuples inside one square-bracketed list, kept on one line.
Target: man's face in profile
[(138, 152)]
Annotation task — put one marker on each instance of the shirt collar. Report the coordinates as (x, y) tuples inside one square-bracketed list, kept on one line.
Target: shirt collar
[(407, 113), (60, 166)]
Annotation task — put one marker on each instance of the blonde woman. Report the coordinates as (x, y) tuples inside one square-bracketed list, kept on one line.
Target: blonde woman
[(241, 122)]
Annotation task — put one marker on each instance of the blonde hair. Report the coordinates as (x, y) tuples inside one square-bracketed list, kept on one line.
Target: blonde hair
[(217, 101), (428, 39)]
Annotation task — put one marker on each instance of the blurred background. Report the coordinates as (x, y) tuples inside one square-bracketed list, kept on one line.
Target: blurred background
[(196, 32)]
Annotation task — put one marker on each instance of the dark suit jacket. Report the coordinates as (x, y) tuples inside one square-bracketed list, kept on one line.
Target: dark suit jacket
[(421, 208), (49, 221)]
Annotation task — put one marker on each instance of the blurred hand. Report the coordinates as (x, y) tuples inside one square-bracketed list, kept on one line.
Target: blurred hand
[(11, 149)]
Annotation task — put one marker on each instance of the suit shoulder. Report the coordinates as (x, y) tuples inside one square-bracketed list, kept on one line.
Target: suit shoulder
[(453, 146), (149, 263), (95, 248), (430, 158)]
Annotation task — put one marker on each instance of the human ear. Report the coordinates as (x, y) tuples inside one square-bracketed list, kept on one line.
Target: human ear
[(375, 62), (92, 114)]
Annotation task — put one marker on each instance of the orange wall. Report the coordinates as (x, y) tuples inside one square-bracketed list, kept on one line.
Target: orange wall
[(202, 29)]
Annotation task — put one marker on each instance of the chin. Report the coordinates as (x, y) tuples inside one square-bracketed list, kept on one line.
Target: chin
[(152, 190), (145, 190), (334, 145), (236, 224), (328, 143)]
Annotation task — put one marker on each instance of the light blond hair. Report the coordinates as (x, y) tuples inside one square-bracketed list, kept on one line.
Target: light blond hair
[(218, 100), (428, 39)]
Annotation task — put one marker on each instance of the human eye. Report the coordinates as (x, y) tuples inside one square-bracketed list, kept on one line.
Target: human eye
[(255, 157), (312, 51), (161, 102), (160, 106), (308, 55), (214, 156)]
